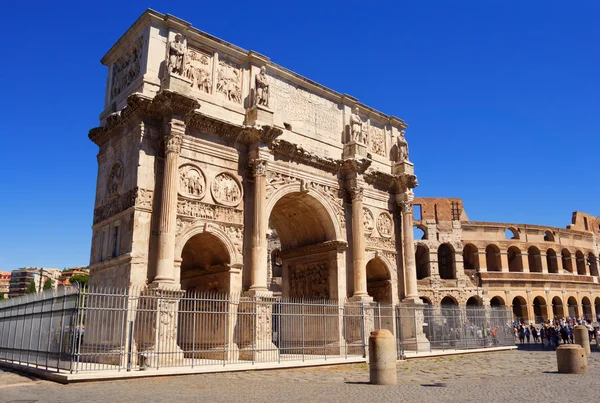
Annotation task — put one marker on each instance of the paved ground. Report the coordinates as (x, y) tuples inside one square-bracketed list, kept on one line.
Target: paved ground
[(521, 375)]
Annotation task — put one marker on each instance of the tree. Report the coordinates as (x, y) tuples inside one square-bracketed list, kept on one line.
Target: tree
[(48, 284), (31, 288), (81, 279)]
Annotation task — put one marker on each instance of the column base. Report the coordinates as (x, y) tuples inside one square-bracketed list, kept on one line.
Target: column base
[(263, 292), (361, 298)]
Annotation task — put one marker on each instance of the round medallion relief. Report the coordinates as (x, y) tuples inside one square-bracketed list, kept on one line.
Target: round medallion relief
[(384, 225), (226, 189), (115, 177), (368, 221), (192, 182)]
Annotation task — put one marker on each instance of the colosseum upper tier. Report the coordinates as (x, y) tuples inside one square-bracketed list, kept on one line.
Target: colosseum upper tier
[(542, 272)]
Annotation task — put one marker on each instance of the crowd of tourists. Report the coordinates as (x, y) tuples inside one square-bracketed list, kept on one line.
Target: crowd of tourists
[(554, 332)]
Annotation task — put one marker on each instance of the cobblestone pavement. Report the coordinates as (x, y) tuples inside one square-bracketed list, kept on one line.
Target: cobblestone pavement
[(487, 377)]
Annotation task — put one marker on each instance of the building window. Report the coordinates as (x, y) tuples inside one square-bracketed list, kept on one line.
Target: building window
[(116, 240), (104, 244), (585, 224)]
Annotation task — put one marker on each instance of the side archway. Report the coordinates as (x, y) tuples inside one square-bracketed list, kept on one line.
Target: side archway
[(540, 310), (557, 308), (586, 307), (534, 258), (567, 262), (470, 258), (593, 263), (573, 307), (580, 261), (497, 302), (379, 279)]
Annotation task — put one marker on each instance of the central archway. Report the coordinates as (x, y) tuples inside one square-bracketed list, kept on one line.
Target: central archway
[(520, 309), (306, 227), (557, 308), (540, 311)]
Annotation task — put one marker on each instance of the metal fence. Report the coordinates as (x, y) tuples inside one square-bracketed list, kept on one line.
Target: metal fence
[(137, 329)]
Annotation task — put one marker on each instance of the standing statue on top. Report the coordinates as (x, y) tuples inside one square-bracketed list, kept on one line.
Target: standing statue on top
[(177, 53), (356, 127), (402, 148), (262, 88)]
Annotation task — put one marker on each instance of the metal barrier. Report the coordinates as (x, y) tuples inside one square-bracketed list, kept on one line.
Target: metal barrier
[(141, 328)]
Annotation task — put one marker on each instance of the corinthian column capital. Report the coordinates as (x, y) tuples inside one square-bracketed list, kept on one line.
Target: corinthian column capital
[(259, 167), (405, 200), (173, 143)]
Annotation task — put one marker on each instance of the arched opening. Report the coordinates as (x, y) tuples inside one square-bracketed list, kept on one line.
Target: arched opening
[(450, 312), (492, 258), (470, 259), (205, 264), (204, 269), (475, 315), (552, 261), (446, 262), (519, 306), (426, 300), (422, 262), (586, 307), (511, 233), (534, 258), (419, 232), (301, 220), (567, 262), (592, 262), (379, 282), (540, 311), (515, 260), (557, 308), (497, 302), (548, 236), (580, 260), (597, 305), (573, 307)]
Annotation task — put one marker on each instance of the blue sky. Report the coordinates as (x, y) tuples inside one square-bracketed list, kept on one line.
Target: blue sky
[(501, 98)]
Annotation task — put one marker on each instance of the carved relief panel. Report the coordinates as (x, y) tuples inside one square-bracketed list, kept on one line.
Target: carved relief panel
[(192, 182), (115, 178), (385, 225), (229, 81), (309, 280), (377, 140), (226, 189), (368, 221), (126, 69), (199, 69)]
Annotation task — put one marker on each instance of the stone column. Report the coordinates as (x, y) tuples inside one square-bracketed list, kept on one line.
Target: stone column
[(258, 240), (358, 244), (504, 262), (408, 245), (544, 259), (168, 207), (525, 261), (482, 261)]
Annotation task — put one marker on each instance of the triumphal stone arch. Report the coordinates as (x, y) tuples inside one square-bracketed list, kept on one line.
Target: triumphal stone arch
[(205, 149)]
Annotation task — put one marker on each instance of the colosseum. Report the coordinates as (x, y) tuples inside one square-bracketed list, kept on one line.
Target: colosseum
[(542, 272)]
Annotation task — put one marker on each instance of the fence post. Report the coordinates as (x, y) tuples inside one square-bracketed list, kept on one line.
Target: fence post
[(62, 319), (362, 328), (129, 345), (302, 316)]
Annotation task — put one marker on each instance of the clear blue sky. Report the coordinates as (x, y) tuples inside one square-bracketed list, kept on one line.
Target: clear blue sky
[(501, 98)]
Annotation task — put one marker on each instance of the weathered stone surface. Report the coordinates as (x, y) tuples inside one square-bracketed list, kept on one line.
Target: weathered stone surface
[(571, 359), (382, 357)]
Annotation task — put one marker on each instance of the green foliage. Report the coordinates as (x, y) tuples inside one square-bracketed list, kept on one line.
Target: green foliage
[(82, 279), (48, 284), (31, 288)]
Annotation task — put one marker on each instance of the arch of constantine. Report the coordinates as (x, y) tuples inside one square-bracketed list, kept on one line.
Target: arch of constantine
[(206, 150)]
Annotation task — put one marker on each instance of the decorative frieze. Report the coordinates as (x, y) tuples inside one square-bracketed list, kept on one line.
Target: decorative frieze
[(195, 209), (377, 140), (115, 205), (368, 221), (297, 153), (380, 243)]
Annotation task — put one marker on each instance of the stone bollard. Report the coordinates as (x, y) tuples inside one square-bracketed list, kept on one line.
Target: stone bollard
[(582, 338), (571, 359), (382, 357)]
